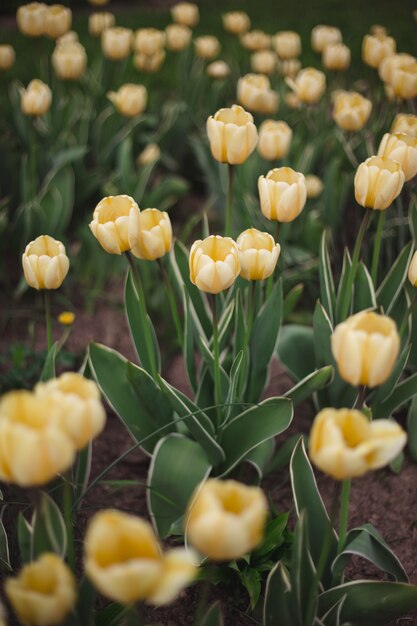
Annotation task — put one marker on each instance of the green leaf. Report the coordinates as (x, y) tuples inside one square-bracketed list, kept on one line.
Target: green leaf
[(48, 370), (260, 456), (151, 400), (412, 429), (296, 350), (391, 286), (4, 544), (291, 300), (364, 294), (404, 391), (383, 391), (235, 372), (282, 456), (178, 466), (251, 580), (213, 616), (49, 531), (302, 572), (82, 470), (189, 343), (85, 602), (273, 537), (208, 357), (24, 538), (327, 290), (278, 598), (322, 333), (343, 295), (310, 384)]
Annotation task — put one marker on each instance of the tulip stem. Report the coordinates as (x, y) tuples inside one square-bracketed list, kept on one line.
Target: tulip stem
[(217, 380), (68, 499), (47, 299), (229, 205), (407, 315), (344, 514), (172, 303), (377, 247)]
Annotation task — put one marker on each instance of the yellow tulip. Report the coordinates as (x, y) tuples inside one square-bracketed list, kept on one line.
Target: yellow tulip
[(67, 38), (44, 591), (287, 44), (185, 13), (256, 40), (45, 263), (36, 98), (405, 123), (336, 57), (148, 40), (98, 22), (351, 111), (149, 155), (290, 68), (322, 36), (178, 37), (31, 19), (412, 270), (377, 47), (263, 62), (214, 263), (207, 47), (69, 61), (402, 148), (149, 63), (125, 562), (115, 223), (226, 519), (130, 100), (377, 29), (7, 57), (218, 70), (282, 194), (258, 254), (232, 135), (236, 22), (309, 85), (378, 181), (116, 43), (365, 348), (403, 81), (155, 235), (58, 20), (344, 444), (314, 186), (292, 100), (274, 140), (254, 93), (391, 62)]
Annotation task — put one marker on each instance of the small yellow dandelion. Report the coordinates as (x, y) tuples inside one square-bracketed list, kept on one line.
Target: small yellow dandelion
[(66, 318)]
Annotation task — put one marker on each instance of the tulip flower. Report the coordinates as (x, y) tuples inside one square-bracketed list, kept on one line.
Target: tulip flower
[(412, 270), (287, 44), (351, 111), (178, 37), (314, 186), (336, 57), (405, 123), (31, 19), (309, 85), (148, 40), (98, 22), (116, 43), (378, 181), (254, 93), (115, 223), (7, 57), (274, 140), (155, 235), (323, 36), (207, 47), (58, 20), (45, 263), (67, 38), (69, 61), (388, 65), (149, 155), (218, 70), (258, 254), (232, 135), (236, 22), (289, 68), (36, 98), (130, 100), (263, 62), (402, 148), (377, 47), (282, 194), (149, 63), (403, 81), (214, 263), (255, 40), (185, 13)]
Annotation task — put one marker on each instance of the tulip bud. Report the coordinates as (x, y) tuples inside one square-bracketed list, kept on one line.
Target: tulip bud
[(58, 20), (207, 47), (258, 254), (344, 444), (402, 148), (403, 81), (405, 123), (377, 47), (178, 37), (378, 181), (365, 348), (314, 186), (116, 223), (116, 43), (149, 155), (218, 69), (31, 19), (322, 36), (148, 41), (45, 263), (292, 100), (336, 57), (98, 22), (226, 519), (214, 263), (256, 40), (232, 135), (67, 38), (282, 194), (125, 562), (7, 57), (36, 98), (274, 140), (377, 29), (351, 111), (69, 61), (149, 63), (185, 13), (44, 591), (287, 44), (412, 270), (255, 94), (236, 22), (263, 62), (309, 85), (155, 235), (130, 100), (389, 64), (290, 68)]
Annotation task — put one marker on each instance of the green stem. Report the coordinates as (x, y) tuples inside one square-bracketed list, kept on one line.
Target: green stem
[(250, 312), (172, 303), (68, 498), (217, 380), (229, 205), (407, 315), (47, 298), (344, 514), (377, 247)]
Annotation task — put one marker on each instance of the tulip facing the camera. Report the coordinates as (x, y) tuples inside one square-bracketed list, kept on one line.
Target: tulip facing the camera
[(405, 123), (263, 62), (207, 47), (232, 135), (323, 36), (116, 223), (365, 348), (282, 194), (214, 263), (402, 148), (255, 40), (218, 70), (178, 37), (149, 63), (290, 68), (378, 181), (69, 61), (116, 43), (236, 22), (403, 81), (258, 254), (390, 63), (314, 186), (351, 111), (148, 40), (58, 20), (155, 235), (44, 591), (130, 100), (7, 57), (185, 13), (31, 19), (377, 47), (45, 263), (36, 98), (274, 140), (344, 444), (287, 44), (309, 85), (98, 22), (412, 270), (254, 93), (336, 57)]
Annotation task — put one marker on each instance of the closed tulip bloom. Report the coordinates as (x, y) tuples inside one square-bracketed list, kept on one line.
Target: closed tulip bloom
[(236, 22), (344, 444), (263, 62), (226, 519), (130, 100), (67, 38), (254, 93), (124, 560), (185, 13), (232, 135), (7, 57), (31, 19), (178, 37), (402, 148), (218, 69), (403, 81), (289, 67), (322, 36), (365, 348), (258, 254), (45, 263), (377, 29), (116, 43), (155, 235), (207, 47), (214, 263), (256, 40), (98, 22), (336, 57), (405, 123), (351, 111), (274, 140), (378, 181), (287, 44), (412, 270), (309, 85), (33, 446), (44, 591), (69, 61), (390, 63), (314, 186), (116, 223), (292, 100), (148, 40), (149, 155), (58, 20), (149, 63), (36, 98), (377, 47), (282, 194)]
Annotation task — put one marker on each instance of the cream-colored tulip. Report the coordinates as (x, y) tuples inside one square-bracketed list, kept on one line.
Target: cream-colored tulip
[(287, 44), (403, 81), (125, 562), (232, 135), (365, 348), (314, 186), (116, 43), (149, 155), (378, 181), (336, 57), (391, 62), (115, 223), (7, 57), (207, 47), (323, 36), (31, 19), (309, 85), (149, 40), (226, 519), (45, 263), (69, 61), (67, 38), (98, 22), (292, 100), (254, 93), (345, 444), (178, 37), (351, 110), (218, 69), (402, 148), (155, 235), (377, 47), (236, 22), (412, 270), (44, 591), (33, 446), (274, 140), (377, 29), (258, 254), (289, 67), (36, 98), (263, 62), (214, 263), (82, 416), (58, 20), (130, 100), (149, 63), (255, 40), (282, 194), (405, 123), (185, 13)]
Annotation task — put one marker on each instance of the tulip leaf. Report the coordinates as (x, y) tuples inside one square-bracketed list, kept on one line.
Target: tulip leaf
[(310, 384), (48, 370), (364, 293), (82, 470), (85, 603), (178, 466), (412, 218), (213, 616), (278, 605), (383, 391), (48, 526), (302, 573), (322, 333), (333, 615), (260, 456), (189, 343), (296, 350), (291, 300), (24, 538), (282, 456), (150, 398), (208, 357), (344, 293), (391, 286), (412, 429), (327, 290), (253, 427), (404, 391), (235, 372), (4, 544)]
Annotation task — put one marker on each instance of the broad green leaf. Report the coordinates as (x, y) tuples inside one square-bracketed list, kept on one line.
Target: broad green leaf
[(82, 470), (4, 544), (251, 580), (296, 350), (48, 370), (364, 294), (302, 572), (322, 327), (310, 384), (404, 391), (327, 290), (291, 300), (278, 598), (344, 295), (85, 602), (412, 429), (383, 391), (235, 372), (151, 399), (391, 286), (333, 615), (282, 456), (213, 616), (273, 537), (260, 456), (208, 357), (24, 538), (49, 531)]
